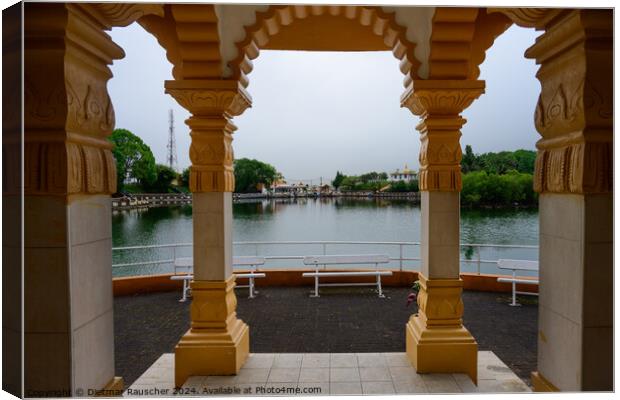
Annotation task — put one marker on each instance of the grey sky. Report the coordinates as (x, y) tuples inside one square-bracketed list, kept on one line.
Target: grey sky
[(314, 113)]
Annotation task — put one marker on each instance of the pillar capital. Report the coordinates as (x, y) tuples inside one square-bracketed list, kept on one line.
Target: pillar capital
[(210, 98), (68, 114), (439, 103), (213, 104), (574, 114), (426, 98)]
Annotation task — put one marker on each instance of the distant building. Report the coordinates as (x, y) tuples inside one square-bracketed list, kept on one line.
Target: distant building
[(406, 175)]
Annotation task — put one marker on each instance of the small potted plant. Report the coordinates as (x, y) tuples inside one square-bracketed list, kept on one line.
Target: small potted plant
[(413, 296)]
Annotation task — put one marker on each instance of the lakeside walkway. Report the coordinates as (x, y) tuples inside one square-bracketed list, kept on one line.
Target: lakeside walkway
[(342, 320)]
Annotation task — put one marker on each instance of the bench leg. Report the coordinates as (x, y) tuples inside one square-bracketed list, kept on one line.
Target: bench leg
[(254, 287), (514, 295), (379, 286), (251, 288), (184, 298), (316, 287)]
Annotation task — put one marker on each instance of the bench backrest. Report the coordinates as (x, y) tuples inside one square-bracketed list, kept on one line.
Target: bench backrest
[(347, 259), (521, 265), (185, 265), (248, 260)]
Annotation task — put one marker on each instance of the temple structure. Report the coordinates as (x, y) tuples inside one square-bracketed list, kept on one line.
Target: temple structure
[(70, 173), (406, 175)]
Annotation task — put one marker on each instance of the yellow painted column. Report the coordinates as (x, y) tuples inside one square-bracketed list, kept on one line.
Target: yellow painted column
[(437, 341), (217, 342)]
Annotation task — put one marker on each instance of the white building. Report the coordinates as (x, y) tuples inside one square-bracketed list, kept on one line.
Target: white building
[(406, 175)]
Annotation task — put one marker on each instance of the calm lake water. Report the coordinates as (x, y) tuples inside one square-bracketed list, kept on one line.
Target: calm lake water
[(327, 219)]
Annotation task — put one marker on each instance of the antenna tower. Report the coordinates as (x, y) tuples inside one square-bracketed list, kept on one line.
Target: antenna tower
[(172, 145)]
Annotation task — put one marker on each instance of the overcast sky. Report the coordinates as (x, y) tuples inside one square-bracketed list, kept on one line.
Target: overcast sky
[(315, 113)]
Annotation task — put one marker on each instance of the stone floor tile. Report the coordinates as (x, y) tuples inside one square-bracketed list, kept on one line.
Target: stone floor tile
[(502, 386), (224, 379), (340, 360), (406, 387), (396, 360), (284, 375), (314, 375), (377, 388), (252, 375), (440, 383), (259, 361), (345, 388), (405, 374), (375, 374), (315, 360), (495, 371), (371, 360), (465, 383), (344, 375), (287, 360)]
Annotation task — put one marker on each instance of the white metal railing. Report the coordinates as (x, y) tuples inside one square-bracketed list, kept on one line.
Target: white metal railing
[(473, 258)]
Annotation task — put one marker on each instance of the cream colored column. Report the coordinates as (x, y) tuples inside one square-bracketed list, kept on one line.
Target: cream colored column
[(69, 173), (437, 341), (573, 175), (217, 342)]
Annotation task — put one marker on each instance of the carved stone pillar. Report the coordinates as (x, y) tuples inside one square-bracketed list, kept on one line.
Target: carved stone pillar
[(573, 175), (437, 341), (69, 173), (217, 342)]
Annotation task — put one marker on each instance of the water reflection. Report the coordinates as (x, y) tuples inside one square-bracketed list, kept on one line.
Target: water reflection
[(326, 219)]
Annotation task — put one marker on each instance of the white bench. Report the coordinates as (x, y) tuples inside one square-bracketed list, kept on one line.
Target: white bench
[(514, 266), (348, 260), (251, 262), (183, 270)]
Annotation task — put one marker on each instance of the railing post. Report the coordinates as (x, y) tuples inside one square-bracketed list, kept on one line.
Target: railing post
[(401, 255), (478, 253), (324, 249), (174, 258)]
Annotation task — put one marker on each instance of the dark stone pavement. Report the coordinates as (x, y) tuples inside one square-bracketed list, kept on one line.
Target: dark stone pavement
[(341, 320)]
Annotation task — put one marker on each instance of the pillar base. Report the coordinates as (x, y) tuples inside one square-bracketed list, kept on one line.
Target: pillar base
[(217, 343), (437, 341), (201, 354), (441, 350), (541, 384)]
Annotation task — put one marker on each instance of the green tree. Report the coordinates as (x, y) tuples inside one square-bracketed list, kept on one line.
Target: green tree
[(337, 182), (469, 161), (483, 189), (249, 174), (403, 186), (525, 160), (184, 178), (163, 181), (498, 163), (134, 158)]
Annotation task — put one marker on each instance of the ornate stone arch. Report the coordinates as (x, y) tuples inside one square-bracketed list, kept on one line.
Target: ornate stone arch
[(460, 39), (269, 24)]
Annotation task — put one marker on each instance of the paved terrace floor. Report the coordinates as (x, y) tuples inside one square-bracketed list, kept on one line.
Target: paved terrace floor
[(342, 320), (314, 374)]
